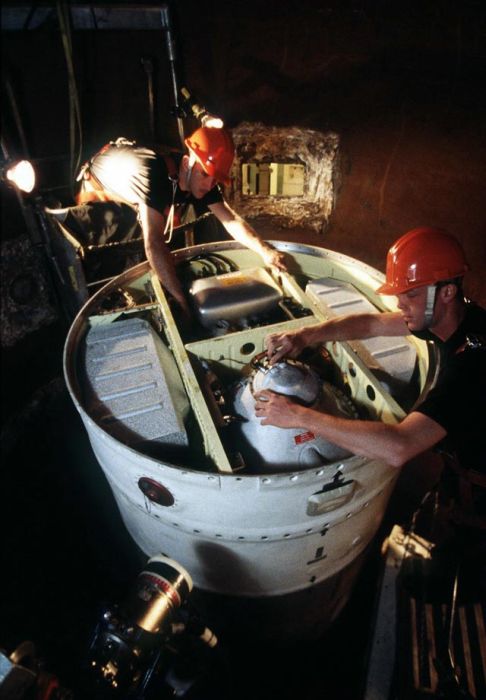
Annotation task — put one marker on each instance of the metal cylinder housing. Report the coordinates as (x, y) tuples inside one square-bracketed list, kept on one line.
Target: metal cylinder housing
[(270, 448)]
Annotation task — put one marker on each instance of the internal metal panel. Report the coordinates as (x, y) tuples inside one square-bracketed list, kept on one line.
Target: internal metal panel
[(135, 390), (394, 355)]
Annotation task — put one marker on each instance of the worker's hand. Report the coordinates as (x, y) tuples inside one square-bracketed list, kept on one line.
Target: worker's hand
[(274, 258), (276, 409), (287, 344)]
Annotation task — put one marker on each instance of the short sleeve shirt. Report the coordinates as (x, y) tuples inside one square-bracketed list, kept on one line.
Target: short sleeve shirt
[(137, 174), (457, 402)]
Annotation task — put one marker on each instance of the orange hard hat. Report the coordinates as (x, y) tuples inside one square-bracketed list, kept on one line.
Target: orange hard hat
[(214, 150), (421, 257)]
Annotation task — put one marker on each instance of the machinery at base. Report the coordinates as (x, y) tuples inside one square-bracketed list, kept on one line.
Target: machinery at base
[(23, 676), (154, 645)]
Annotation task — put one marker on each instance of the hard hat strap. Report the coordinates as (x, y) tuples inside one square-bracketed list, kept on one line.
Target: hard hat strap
[(190, 165), (430, 304)]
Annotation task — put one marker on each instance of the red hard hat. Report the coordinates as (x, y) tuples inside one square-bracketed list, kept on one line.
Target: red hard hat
[(214, 150), (421, 257)]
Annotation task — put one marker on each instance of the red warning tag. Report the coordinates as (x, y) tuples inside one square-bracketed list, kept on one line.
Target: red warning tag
[(304, 437)]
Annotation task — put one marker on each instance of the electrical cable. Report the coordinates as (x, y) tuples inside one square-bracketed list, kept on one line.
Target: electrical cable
[(75, 123)]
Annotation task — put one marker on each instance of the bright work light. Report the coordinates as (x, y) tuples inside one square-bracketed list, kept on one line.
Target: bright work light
[(21, 174)]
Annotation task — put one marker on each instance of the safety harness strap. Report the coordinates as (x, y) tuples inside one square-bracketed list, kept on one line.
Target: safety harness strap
[(173, 177)]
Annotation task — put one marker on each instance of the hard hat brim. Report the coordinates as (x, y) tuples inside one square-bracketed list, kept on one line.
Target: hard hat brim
[(386, 289)]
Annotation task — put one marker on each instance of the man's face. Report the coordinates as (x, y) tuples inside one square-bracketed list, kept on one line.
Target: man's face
[(412, 304), (200, 182)]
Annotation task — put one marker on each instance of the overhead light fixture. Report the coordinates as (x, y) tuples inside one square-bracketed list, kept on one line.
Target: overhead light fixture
[(19, 173), (211, 121), (200, 112)]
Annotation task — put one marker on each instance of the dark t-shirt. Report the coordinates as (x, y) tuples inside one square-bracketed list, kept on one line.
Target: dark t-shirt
[(458, 400), (138, 174)]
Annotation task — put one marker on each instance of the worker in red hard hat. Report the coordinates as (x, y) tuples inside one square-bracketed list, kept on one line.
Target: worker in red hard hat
[(160, 186), (425, 269)]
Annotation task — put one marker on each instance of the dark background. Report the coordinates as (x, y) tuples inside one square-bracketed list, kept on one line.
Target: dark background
[(403, 85)]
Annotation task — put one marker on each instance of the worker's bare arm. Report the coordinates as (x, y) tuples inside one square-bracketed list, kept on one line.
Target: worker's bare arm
[(292, 343), (241, 231), (393, 443), (158, 253)]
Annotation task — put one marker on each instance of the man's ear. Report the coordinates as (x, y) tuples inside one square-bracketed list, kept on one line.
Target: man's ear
[(448, 292)]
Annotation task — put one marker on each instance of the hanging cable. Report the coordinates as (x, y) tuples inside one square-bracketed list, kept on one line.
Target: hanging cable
[(7, 86), (75, 125), (171, 54)]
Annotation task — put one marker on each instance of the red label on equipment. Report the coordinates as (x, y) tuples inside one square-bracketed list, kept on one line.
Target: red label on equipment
[(304, 437), (148, 583)]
